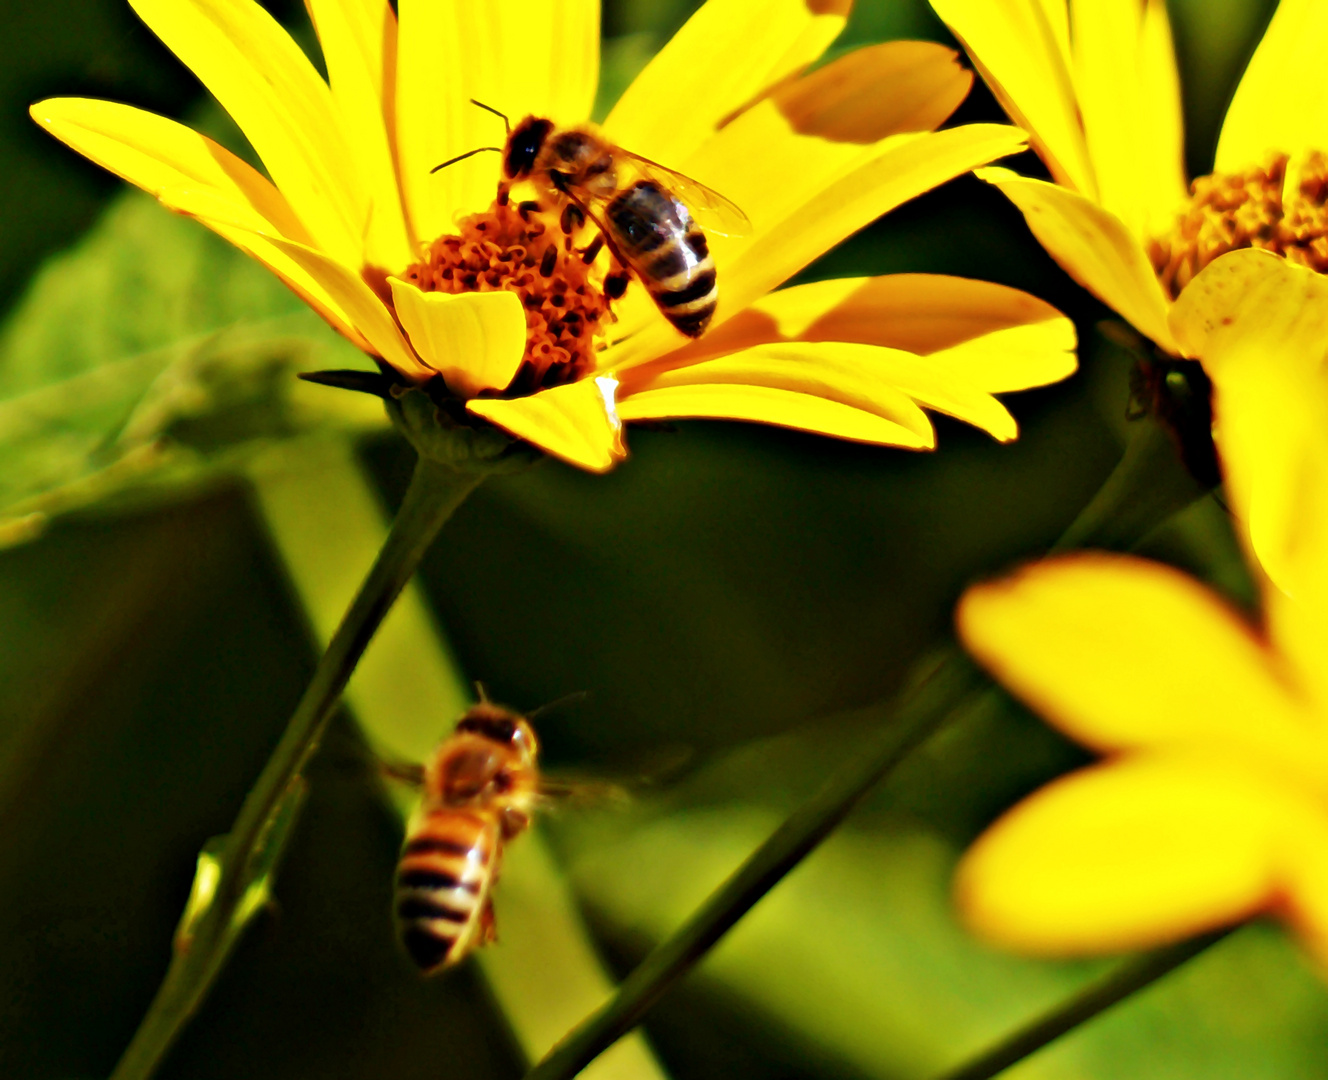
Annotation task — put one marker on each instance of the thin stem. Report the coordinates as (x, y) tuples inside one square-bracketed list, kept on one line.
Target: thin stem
[(1141, 492), (248, 854), (928, 705), (1131, 977)]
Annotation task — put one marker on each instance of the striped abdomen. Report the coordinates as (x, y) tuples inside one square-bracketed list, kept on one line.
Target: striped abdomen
[(656, 237), (442, 895)]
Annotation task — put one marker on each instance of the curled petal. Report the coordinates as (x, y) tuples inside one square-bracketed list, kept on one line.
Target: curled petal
[(474, 340), (1259, 325), (726, 55)]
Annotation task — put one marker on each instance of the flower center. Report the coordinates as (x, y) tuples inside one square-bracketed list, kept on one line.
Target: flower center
[(518, 249), (1257, 208)]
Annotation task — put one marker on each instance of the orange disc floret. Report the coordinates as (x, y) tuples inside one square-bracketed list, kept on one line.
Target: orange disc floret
[(1255, 208), (510, 248)]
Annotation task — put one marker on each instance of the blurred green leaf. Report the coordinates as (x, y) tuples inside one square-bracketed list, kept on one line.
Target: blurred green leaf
[(152, 357)]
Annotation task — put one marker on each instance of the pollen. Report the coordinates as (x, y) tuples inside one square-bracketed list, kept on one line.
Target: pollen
[(520, 250), (1268, 207)]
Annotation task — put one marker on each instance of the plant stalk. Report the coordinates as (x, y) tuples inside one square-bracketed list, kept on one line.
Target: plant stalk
[(233, 883), (1147, 486), (1130, 977)]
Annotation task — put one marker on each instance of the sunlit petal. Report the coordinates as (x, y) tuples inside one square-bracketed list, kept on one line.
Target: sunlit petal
[(1123, 653), (1095, 248), (284, 108), (721, 60), (578, 422), (771, 405), (1129, 98), (1259, 325), (1129, 855), (988, 336), (474, 340), (517, 56), (1282, 101), (158, 154), (359, 42), (1020, 46)]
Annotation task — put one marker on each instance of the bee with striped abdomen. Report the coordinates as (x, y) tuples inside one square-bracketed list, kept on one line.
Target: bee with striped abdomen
[(646, 213), (479, 790)]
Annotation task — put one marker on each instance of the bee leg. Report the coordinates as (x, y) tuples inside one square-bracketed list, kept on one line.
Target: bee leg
[(591, 251), (572, 218), (488, 929), (615, 284), (514, 821), (504, 194)]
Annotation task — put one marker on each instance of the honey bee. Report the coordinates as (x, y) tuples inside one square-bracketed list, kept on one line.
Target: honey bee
[(645, 213), (479, 790)]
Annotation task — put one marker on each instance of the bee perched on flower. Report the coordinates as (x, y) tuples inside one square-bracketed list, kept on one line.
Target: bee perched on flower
[(514, 312)]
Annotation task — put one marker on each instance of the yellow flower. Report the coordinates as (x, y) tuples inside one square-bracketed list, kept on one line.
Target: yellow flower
[(1212, 803), (1095, 84), (355, 222)]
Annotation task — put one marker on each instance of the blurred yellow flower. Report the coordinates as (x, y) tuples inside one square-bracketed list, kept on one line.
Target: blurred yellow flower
[(1212, 804), (1094, 82), (355, 222)]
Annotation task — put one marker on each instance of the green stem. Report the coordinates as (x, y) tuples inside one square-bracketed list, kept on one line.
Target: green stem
[(248, 854), (1131, 977), (1142, 491)]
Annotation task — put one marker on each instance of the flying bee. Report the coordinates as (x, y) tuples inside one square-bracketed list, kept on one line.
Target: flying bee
[(479, 790), (645, 213)]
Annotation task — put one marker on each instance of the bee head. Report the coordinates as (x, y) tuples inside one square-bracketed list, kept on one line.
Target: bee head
[(499, 725), (523, 146)]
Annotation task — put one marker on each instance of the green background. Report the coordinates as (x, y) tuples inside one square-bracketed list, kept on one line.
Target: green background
[(732, 595)]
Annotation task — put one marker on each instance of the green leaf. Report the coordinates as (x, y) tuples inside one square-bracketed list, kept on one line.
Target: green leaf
[(153, 357)]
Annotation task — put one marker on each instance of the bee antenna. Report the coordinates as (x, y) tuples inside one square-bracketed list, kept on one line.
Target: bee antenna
[(575, 695), (462, 157), (489, 108), (482, 693)]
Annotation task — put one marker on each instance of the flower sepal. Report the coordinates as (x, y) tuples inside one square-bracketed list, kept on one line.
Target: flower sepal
[(441, 430)]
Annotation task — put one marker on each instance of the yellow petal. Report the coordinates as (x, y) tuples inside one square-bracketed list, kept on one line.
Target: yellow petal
[(368, 314), (990, 336), (907, 167), (848, 374), (1094, 247), (285, 110), (216, 213), (1129, 855), (578, 422), (721, 60), (518, 56), (896, 170), (867, 377), (1305, 901), (773, 405), (474, 340), (157, 154), (1019, 46), (359, 43), (1259, 325), (1282, 101), (1122, 653), (1129, 98)]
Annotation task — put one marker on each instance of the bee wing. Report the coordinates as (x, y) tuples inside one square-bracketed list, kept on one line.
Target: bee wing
[(404, 772), (709, 208), (576, 791)]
